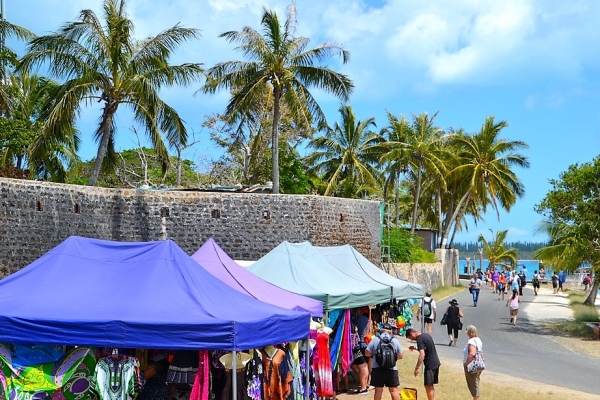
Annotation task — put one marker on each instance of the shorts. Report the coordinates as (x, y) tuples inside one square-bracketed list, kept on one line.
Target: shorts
[(430, 377), (428, 320), (536, 285), (554, 285), (381, 377), (359, 356)]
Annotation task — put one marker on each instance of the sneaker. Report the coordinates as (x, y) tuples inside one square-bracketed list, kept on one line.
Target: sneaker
[(450, 344), (363, 392)]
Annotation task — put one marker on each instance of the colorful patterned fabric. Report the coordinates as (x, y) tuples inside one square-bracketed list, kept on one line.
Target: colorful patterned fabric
[(116, 378), (67, 379)]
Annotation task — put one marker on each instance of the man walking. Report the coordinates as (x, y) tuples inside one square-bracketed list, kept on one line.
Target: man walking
[(475, 288), (427, 307), (562, 278), (428, 357), (522, 282), (383, 352)]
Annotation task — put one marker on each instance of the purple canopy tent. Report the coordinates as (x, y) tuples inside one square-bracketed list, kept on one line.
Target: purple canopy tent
[(140, 295), (213, 259)]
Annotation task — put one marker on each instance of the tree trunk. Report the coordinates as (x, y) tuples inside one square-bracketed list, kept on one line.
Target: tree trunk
[(275, 139), (109, 112), (439, 211), (417, 194), (453, 218), (591, 299), (397, 201)]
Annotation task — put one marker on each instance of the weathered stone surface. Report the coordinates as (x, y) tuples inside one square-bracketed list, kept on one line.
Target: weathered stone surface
[(37, 216)]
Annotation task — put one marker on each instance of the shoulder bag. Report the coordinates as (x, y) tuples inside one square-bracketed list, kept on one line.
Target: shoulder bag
[(477, 364), (444, 320)]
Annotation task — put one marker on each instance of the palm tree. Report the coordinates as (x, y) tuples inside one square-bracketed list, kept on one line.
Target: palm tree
[(106, 64), (495, 251), (395, 156), (346, 156), (51, 161), (280, 62), (484, 165), (7, 56), (425, 154), (566, 250)]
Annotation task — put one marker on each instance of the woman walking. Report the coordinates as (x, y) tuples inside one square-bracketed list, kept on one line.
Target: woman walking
[(453, 320), (514, 301), (473, 346)]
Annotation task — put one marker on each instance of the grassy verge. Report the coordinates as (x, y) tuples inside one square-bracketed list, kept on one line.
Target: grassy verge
[(442, 292), (581, 314)]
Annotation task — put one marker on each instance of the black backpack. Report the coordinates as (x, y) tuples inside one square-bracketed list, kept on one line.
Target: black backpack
[(386, 355)]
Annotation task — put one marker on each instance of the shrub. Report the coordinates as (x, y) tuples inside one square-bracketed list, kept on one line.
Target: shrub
[(406, 247)]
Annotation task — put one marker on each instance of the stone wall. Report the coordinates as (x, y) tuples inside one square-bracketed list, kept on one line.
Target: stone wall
[(444, 272), (36, 216)]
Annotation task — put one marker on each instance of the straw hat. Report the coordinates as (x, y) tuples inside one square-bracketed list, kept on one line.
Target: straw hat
[(242, 360)]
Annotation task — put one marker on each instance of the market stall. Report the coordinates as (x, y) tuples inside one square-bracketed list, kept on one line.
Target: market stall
[(350, 261), (214, 260), (141, 295)]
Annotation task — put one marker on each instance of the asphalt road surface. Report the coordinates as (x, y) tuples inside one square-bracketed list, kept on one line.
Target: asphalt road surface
[(526, 350)]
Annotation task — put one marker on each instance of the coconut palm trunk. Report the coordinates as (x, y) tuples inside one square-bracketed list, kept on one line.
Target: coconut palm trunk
[(275, 137), (111, 109)]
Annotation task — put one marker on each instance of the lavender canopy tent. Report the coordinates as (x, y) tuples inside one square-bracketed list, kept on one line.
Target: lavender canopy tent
[(213, 259)]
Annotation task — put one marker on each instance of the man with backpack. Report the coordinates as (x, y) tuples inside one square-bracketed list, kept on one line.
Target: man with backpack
[(383, 352), (428, 357), (427, 308)]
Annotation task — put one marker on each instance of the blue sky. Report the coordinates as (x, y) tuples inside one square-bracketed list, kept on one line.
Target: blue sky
[(532, 63)]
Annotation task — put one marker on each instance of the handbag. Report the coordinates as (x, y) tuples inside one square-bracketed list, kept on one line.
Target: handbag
[(444, 320), (408, 394), (477, 364), (460, 325)]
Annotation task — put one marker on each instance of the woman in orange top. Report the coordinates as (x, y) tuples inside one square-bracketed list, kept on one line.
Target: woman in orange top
[(501, 286)]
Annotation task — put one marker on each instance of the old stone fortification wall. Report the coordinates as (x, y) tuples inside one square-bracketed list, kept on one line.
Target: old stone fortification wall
[(36, 216), (444, 272)]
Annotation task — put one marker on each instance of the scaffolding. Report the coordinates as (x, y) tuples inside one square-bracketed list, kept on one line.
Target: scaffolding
[(386, 258)]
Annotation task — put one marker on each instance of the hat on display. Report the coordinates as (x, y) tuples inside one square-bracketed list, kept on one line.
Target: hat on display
[(453, 302), (314, 325), (241, 361)]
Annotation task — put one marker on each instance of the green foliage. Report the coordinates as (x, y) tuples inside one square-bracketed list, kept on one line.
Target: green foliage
[(406, 247), (105, 62), (138, 167), (280, 62)]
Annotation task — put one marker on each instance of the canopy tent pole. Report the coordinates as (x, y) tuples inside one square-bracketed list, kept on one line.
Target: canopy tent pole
[(306, 359), (234, 375)]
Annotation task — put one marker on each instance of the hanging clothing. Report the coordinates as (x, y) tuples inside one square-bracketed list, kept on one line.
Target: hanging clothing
[(323, 370), (277, 377), (299, 385), (242, 393), (201, 387), (184, 367), (254, 377), (116, 378)]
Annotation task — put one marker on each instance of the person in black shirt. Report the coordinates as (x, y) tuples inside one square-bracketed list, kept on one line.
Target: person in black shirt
[(428, 357)]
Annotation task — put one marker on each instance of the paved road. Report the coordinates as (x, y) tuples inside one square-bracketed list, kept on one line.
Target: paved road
[(524, 350)]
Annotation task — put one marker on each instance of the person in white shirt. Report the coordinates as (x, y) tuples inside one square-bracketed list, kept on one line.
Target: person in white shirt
[(474, 345), (427, 307)]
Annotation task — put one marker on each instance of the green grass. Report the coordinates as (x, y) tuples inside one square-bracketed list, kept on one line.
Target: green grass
[(581, 315), (443, 292)]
